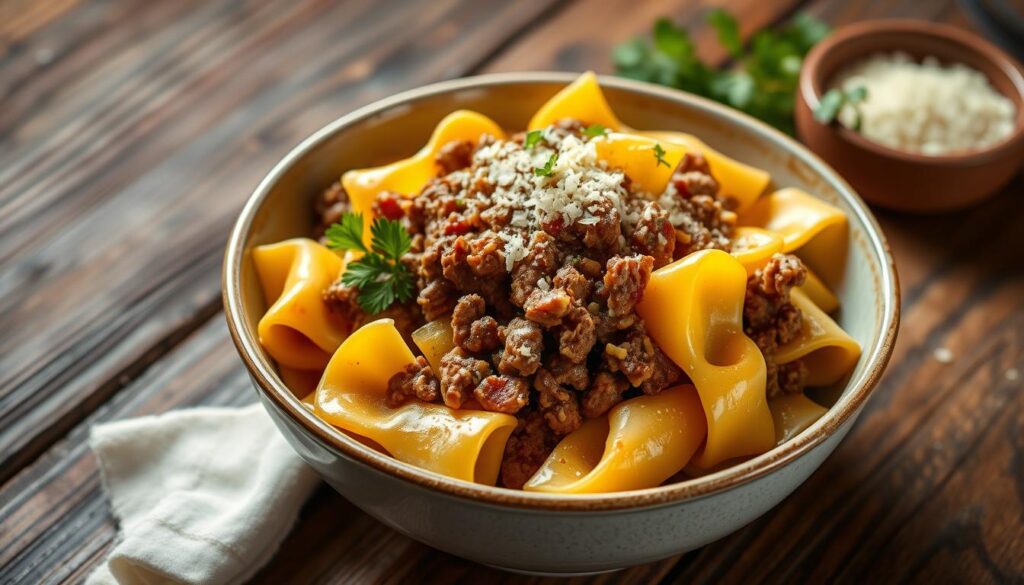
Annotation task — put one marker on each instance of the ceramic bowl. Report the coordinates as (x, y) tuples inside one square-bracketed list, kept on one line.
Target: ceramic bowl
[(896, 179), (543, 532)]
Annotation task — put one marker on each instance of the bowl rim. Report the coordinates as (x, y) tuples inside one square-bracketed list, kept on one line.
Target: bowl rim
[(273, 390), (811, 85)]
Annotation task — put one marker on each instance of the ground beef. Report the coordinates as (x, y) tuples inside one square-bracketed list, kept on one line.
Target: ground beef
[(460, 374), (528, 446), (547, 307), (600, 229), (524, 344), (416, 380), (769, 318), (704, 223), (654, 234), (454, 156), (436, 298), (576, 335), (772, 320), (625, 278), (605, 392), (485, 257), (568, 373), (559, 405), (633, 357), (574, 283), (541, 261), (329, 207), (472, 328), (790, 378), (664, 374), (507, 394)]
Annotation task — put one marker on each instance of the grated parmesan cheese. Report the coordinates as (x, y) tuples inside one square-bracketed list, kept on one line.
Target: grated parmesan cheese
[(926, 107)]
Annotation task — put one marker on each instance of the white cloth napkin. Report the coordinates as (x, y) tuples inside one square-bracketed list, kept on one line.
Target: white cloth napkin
[(202, 496)]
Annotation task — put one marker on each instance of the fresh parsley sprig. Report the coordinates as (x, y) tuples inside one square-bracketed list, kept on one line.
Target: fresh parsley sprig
[(763, 82), (659, 156), (594, 130), (833, 101), (533, 137), (548, 168), (379, 274)]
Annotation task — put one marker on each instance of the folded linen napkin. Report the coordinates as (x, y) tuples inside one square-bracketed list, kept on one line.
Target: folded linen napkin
[(204, 495)]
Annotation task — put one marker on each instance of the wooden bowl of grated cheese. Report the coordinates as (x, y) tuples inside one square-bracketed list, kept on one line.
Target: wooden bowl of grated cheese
[(941, 126)]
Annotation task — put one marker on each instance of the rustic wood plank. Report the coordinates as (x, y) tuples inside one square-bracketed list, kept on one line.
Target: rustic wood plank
[(150, 156)]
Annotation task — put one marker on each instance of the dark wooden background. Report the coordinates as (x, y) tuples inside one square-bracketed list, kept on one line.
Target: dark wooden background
[(131, 132)]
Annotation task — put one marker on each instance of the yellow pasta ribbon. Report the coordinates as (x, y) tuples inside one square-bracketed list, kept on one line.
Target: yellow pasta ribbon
[(641, 443), (740, 181), (298, 330), (635, 156), (464, 444), (828, 352), (808, 225), (580, 100), (818, 291), (792, 414), (409, 176), (693, 309), (753, 247)]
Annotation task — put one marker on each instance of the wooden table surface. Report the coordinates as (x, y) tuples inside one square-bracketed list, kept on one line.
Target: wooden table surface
[(131, 132)]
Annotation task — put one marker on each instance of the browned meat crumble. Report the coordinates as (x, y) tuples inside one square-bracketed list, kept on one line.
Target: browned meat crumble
[(540, 277)]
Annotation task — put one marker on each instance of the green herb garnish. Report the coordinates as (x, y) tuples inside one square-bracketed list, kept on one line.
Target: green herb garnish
[(532, 138), (594, 130), (379, 275), (833, 101), (548, 168), (659, 155), (763, 82)]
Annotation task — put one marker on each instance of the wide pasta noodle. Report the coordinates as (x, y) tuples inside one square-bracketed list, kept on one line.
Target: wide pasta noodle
[(819, 293), (753, 247), (636, 157), (409, 176), (641, 443), (793, 413), (581, 100), (298, 330), (814, 229), (737, 180), (693, 309), (828, 352), (464, 444)]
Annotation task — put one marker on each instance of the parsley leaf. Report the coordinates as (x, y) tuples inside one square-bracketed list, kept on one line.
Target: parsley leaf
[(365, 271), (728, 31), (835, 99), (532, 138), (389, 238), (347, 234), (548, 168), (659, 155), (763, 82), (379, 274), (594, 130)]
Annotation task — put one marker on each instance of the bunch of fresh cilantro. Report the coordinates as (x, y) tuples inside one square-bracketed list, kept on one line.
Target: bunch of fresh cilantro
[(763, 82)]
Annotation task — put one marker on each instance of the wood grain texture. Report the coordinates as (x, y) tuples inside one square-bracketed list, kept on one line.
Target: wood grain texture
[(116, 205), (132, 131)]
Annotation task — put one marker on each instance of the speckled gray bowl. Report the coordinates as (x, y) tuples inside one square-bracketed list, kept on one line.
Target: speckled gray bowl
[(532, 531)]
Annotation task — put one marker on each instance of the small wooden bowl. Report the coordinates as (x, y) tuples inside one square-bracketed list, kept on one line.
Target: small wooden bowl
[(897, 179)]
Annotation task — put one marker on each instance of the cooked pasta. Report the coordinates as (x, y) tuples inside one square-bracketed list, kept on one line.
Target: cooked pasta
[(578, 308)]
